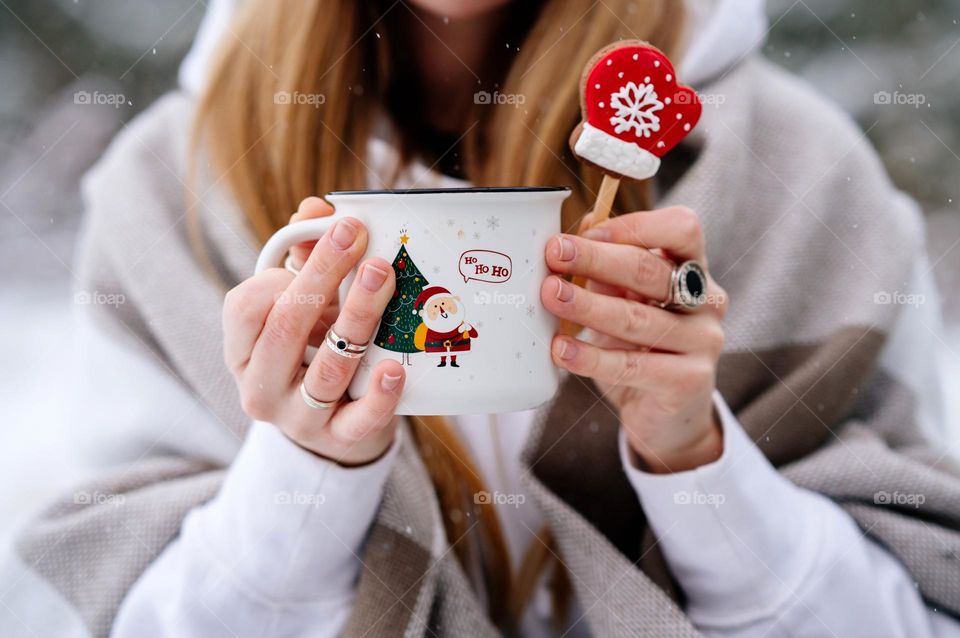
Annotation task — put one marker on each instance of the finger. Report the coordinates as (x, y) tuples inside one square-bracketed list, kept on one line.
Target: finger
[(673, 376), (714, 300), (279, 350), (369, 416), (632, 321), (602, 340), (676, 230), (313, 206), (309, 208), (330, 373), (245, 309), (602, 288), (622, 265)]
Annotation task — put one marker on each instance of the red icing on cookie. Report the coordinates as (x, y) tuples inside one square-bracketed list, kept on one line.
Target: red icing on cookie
[(634, 110)]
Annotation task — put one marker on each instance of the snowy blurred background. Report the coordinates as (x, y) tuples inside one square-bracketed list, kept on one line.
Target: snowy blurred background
[(893, 65)]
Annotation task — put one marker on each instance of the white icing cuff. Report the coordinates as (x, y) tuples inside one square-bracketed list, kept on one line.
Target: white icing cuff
[(615, 155), (737, 511), (290, 524)]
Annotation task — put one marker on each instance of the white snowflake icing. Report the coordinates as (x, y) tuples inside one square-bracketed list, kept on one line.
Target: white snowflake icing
[(636, 108)]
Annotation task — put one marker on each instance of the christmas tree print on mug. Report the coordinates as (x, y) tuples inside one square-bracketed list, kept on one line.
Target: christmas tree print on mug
[(400, 321), (466, 319)]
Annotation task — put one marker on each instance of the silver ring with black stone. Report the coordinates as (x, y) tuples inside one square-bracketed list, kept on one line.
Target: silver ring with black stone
[(344, 347), (688, 287)]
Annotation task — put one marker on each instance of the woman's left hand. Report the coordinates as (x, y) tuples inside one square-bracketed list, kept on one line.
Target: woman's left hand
[(656, 365)]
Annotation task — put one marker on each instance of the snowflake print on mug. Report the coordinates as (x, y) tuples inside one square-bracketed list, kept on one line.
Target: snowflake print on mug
[(637, 108)]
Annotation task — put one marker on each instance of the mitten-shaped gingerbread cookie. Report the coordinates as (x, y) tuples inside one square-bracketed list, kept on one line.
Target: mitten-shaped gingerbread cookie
[(634, 111)]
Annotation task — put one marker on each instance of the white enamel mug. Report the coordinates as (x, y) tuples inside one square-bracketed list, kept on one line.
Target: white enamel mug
[(466, 320)]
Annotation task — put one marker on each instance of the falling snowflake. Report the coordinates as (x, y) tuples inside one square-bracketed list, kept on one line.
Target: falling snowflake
[(636, 109), (518, 354), (436, 269), (493, 223), (530, 311), (476, 235), (450, 222)]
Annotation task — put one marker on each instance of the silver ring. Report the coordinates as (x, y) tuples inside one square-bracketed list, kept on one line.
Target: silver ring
[(688, 287), (288, 265), (314, 403), (343, 347)]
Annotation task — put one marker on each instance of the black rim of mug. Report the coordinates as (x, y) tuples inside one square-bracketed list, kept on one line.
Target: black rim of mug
[(446, 191)]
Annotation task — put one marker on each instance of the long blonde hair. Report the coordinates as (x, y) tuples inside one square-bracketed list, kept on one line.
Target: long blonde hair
[(274, 154)]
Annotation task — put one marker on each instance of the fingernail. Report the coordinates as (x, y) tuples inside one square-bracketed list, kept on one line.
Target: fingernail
[(344, 234), (566, 350), (564, 290), (389, 382), (597, 234), (372, 277), (566, 249)]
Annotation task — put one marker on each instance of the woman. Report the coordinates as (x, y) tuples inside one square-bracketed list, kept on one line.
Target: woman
[(644, 500)]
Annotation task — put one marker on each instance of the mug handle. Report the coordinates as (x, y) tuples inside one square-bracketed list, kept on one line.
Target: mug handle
[(289, 236), (286, 238)]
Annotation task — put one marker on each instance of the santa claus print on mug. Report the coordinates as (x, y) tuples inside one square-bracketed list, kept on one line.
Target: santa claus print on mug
[(444, 331)]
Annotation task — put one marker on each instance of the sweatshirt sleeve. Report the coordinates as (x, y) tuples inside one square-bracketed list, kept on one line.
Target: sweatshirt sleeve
[(758, 556), (276, 552)]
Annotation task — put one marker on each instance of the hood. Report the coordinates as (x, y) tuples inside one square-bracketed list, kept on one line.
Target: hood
[(720, 33)]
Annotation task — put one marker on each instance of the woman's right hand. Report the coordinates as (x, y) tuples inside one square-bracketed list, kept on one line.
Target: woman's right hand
[(268, 321)]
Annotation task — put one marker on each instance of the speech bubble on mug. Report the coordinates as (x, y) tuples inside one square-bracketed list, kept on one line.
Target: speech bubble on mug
[(485, 265)]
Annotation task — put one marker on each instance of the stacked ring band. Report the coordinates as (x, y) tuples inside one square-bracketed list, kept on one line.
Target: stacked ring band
[(343, 347), (314, 402)]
